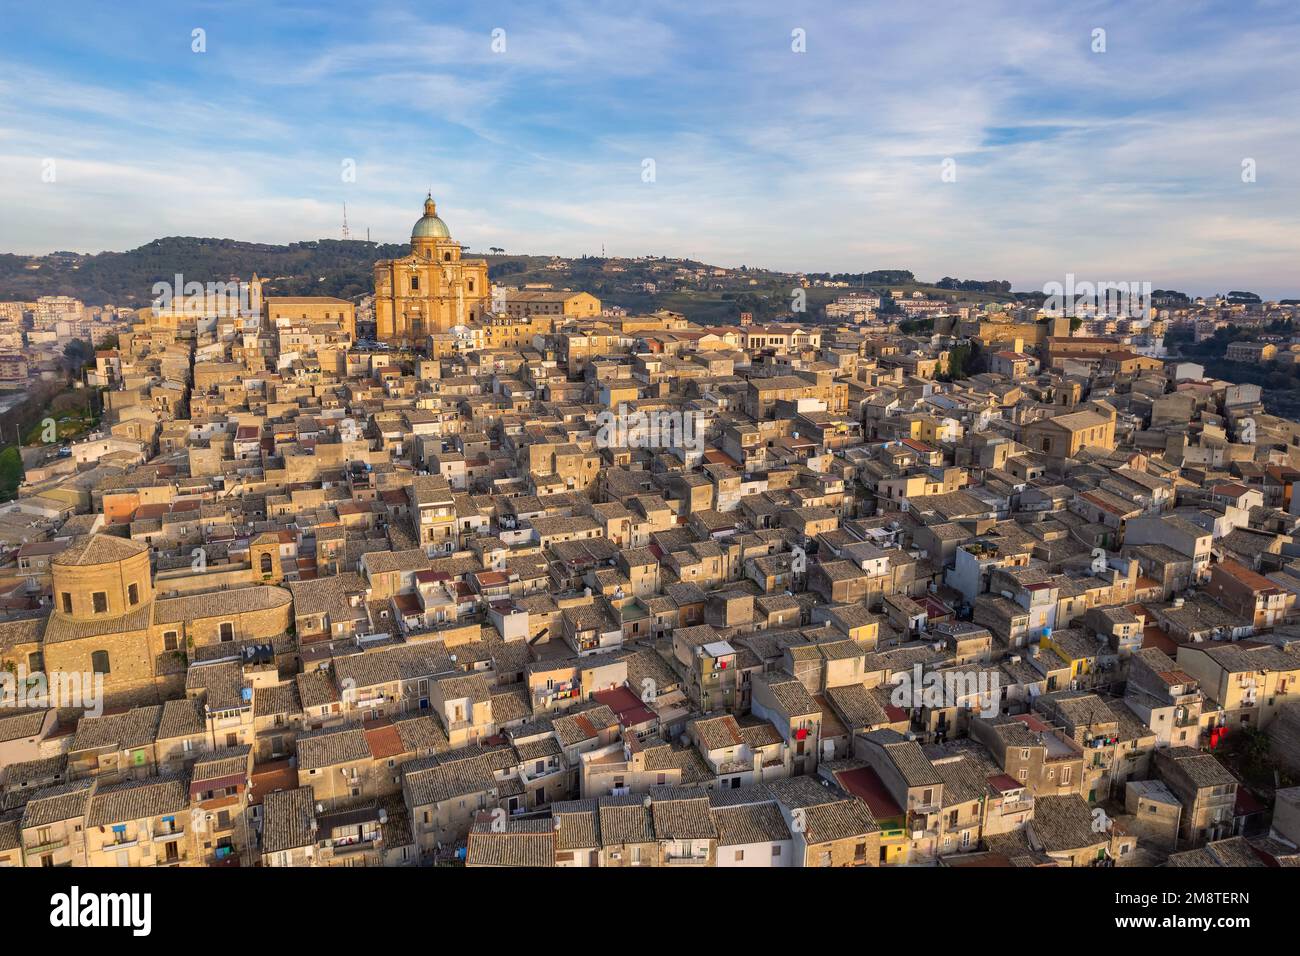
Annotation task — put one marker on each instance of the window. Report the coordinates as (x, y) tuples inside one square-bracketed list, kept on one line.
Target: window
[(133, 594), (99, 663), (266, 563), (740, 855), (415, 283), (227, 632), (776, 851), (170, 640), (99, 600), (35, 662), (67, 603)]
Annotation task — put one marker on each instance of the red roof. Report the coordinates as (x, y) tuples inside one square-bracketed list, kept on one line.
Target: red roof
[(1247, 803), (1230, 490), (406, 603), (1005, 783), (214, 784), (383, 739), (629, 708), (865, 784), (933, 606), (269, 777), (1033, 723), (714, 457)]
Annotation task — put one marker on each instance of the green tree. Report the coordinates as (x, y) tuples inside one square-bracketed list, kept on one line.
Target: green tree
[(11, 472), (959, 361)]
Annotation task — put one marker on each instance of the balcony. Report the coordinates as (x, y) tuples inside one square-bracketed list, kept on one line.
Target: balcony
[(531, 773), (49, 847), (922, 822), (358, 846), (599, 765), (672, 859)]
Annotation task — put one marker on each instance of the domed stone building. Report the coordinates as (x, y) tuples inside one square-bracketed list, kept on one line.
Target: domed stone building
[(431, 290), (103, 606), (108, 620)]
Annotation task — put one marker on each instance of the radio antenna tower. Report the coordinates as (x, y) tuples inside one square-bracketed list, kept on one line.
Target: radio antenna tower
[(346, 233)]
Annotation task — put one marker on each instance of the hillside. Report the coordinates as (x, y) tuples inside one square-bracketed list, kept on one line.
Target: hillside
[(324, 267), (343, 268)]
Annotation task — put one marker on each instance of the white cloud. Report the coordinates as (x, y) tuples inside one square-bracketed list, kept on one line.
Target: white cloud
[(1100, 164)]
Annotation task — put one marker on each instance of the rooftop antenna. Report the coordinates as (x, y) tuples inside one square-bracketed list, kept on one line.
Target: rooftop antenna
[(346, 235)]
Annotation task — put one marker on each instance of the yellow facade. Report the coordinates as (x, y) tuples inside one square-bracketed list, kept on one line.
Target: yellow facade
[(311, 310), (529, 302), (431, 290)]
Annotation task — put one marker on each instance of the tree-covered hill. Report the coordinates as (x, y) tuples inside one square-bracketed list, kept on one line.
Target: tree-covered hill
[(323, 267), (344, 268)]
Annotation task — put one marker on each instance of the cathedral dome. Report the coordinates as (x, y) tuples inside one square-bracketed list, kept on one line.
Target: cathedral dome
[(429, 225)]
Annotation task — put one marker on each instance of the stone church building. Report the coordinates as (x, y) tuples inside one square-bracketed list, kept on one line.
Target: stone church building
[(431, 290)]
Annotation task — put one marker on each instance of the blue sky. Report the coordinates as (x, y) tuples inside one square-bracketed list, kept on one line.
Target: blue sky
[(1122, 165)]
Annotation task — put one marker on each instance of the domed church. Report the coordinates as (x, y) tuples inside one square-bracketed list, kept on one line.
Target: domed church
[(430, 290)]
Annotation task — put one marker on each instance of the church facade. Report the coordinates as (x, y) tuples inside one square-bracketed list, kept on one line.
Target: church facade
[(431, 290)]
